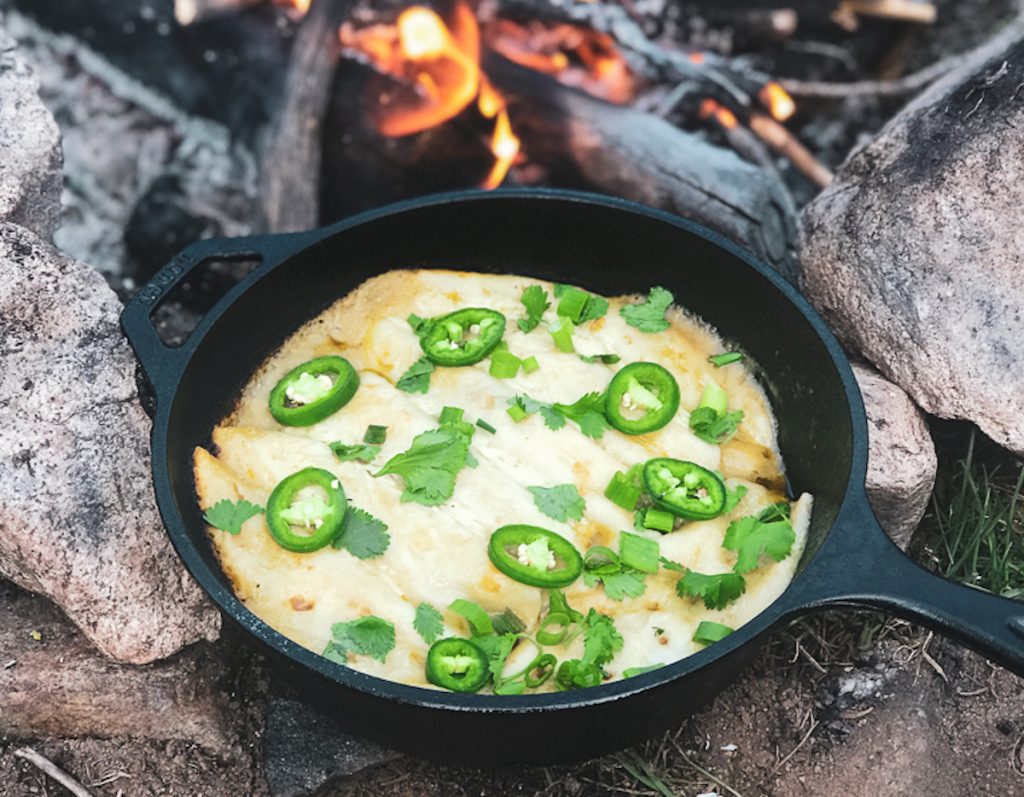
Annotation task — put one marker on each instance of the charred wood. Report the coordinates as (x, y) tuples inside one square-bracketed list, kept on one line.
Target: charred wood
[(291, 158), (591, 144)]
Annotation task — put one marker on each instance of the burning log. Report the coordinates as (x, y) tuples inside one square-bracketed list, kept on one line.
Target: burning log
[(188, 11), (291, 156), (589, 143)]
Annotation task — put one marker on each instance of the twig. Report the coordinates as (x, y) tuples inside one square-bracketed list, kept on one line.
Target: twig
[(55, 772), (792, 752), (713, 778), (908, 84), (931, 662), (785, 143)]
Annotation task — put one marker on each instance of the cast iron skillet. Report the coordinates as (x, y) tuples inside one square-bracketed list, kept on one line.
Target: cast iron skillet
[(610, 247)]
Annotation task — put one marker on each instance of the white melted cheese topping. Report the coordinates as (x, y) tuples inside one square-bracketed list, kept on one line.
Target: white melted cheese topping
[(439, 554)]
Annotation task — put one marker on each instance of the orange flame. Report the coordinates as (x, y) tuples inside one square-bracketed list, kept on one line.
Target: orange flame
[(711, 109), (505, 144), (777, 100), (578, 57)]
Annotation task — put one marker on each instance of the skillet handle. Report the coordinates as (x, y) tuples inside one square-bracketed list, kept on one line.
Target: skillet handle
[(860, 566), (162, 363)]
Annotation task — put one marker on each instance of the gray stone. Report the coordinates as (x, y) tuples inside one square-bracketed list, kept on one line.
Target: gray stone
[(30, 153), (901, 458), (915, 253), (78, 520), (305, 749)]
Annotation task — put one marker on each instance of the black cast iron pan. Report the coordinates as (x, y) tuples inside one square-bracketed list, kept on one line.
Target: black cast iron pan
[(611, 247)]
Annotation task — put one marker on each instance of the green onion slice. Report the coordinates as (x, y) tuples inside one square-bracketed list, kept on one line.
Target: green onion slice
[(708, 632)]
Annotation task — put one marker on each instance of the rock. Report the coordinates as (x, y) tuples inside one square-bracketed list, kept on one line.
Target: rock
[(901, 458), (915, 253), (53, 683), (30, 153), (78, 520), (304, 749)]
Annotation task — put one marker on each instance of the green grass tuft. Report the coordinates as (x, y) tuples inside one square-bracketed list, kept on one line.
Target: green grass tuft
[(977, 524)]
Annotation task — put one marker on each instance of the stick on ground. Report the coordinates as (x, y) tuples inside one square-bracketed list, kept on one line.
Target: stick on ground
[(54, 771)]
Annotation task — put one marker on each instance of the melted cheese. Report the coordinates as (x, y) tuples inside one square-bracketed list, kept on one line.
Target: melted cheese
[(438, 554)]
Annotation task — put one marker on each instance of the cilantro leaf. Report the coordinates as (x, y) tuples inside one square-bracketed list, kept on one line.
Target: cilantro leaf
[(428, 623), (601, 641), (750, 537), (777, 511), (432, 462), (553, 419), (363, 535), (618, 586), (668, 564), (358, 451), (367, 636), (733, 497), (605, 359), (230, 515), (649, 315), (417, 378), (711, 427), (535, 300), (718, 590), (561, 502), (588, 412), (497, 649)]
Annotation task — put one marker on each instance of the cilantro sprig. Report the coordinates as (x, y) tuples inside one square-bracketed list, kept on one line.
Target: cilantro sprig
[(432, 463), (417, 378), (362, 535), (711, 421), (535, 300), (230, 515), (601, 641), (367, 636), (717, 590), (561, 502), (649, 314), (622, 574), (587, 412), (767, 534), (428, 623)]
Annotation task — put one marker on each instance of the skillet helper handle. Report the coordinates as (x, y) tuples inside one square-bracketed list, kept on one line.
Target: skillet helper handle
[(869, 570), (161, 363)]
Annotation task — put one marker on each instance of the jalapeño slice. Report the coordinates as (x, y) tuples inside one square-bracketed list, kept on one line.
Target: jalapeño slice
[(312, 391), (535, 556), (305, 511), (463, 337), (684, 488), (642, 397), (457, 664)]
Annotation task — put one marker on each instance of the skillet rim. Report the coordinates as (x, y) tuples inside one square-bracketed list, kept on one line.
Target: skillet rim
[(787, 604)]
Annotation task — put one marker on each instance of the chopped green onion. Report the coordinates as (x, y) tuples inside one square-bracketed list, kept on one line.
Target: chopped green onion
[(507, 622), (632, 672), (572, 303), (510, 687), (530, 365), (485, 426), (600, 560), (718, 360), (516, 413), (504, 365), (477, 618), (658, 520), (605, 359), (622, 491), (715, 398), (708, 632), (546, 665), (418, 324), (561, 333), (553, 628), (375, 434), (502, 346), (451, 415), (639, 552)]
